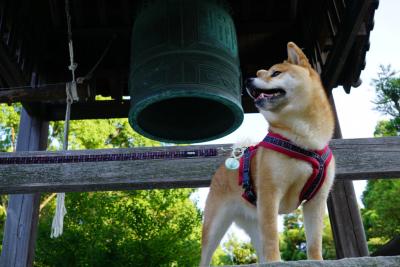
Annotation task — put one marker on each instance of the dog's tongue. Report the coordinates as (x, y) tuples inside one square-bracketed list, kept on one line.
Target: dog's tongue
[(263, 95)]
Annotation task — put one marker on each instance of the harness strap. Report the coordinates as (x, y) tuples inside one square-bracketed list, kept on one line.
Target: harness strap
[(319, 161), (245, 176)]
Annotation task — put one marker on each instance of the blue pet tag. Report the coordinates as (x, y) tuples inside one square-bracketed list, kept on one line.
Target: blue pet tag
[(232, 163)]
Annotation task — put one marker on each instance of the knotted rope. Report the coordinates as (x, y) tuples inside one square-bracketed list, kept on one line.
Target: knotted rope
[(72, 95)]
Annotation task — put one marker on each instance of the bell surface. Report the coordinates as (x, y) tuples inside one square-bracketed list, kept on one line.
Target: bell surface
[(184, 80)]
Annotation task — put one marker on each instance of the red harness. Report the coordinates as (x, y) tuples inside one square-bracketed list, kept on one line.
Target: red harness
[(319, 161)]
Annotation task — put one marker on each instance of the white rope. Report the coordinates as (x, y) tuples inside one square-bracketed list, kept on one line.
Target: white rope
[(58, 219), (71, 91)]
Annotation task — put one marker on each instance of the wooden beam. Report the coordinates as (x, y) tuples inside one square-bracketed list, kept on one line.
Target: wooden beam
[(356, 159), (52, 92), (355, 15), (55, 7), (23, 210), (9, 69)]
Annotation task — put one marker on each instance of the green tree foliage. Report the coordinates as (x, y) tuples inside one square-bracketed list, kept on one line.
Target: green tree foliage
[(137, 228), (133, 228), (387, 101), (234, 252), (9, 121), (387, 127), (380, 213), (381, 198), (92, 134), (293, 240), (387, 88), (221, 258), (240, 252)]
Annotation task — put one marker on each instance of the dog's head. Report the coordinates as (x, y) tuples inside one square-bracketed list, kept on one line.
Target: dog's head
[(286, 86)]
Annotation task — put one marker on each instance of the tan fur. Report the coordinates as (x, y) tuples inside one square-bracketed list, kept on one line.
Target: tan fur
[(305, 117)]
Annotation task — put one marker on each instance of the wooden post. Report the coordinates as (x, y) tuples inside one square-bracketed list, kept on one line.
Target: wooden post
[(23, 210), (347, 228)]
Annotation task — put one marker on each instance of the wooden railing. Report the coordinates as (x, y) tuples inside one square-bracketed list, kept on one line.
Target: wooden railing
[(169, 167)]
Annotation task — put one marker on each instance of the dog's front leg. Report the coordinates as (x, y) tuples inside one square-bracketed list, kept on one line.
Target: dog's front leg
[(268, 205), (313, 213)]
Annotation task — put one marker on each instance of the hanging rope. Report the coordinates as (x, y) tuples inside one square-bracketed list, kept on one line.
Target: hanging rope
[(72, 95), (72, 65), (58, 220)]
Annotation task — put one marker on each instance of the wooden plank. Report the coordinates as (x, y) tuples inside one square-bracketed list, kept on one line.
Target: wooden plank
[(367, 158), (112, 175), (23, 210), (356, 158)]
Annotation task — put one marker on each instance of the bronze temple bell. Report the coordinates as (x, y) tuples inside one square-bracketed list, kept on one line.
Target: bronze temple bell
[(185, 80)]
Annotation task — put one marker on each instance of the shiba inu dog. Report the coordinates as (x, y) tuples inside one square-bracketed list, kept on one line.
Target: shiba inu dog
[(293, 165)]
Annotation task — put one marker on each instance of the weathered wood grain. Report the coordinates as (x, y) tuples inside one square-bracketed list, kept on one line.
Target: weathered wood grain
[(23, 209), (54, 92), (356, 159), (367, 158)]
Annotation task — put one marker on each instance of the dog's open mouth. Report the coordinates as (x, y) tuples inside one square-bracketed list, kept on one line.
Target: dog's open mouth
[(268, 94)]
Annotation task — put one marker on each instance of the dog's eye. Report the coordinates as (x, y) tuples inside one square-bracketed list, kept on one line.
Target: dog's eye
[(275, 73)]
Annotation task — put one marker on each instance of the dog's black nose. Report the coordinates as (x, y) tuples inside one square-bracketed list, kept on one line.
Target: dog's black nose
[(250, 87), (249, 83), (249, 80)]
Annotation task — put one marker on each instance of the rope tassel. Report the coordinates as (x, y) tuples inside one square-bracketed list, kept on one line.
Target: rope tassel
[(58, 219)]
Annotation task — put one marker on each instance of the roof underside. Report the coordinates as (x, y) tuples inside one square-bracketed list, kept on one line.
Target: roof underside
[(34, 47)]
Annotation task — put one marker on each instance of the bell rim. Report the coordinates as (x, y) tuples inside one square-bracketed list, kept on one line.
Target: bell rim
[(233, 105)]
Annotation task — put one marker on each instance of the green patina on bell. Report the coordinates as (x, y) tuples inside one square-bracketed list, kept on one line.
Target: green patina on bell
[(184, 76)]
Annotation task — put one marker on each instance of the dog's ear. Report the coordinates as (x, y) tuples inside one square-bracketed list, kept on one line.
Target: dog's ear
[(296, 56)]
